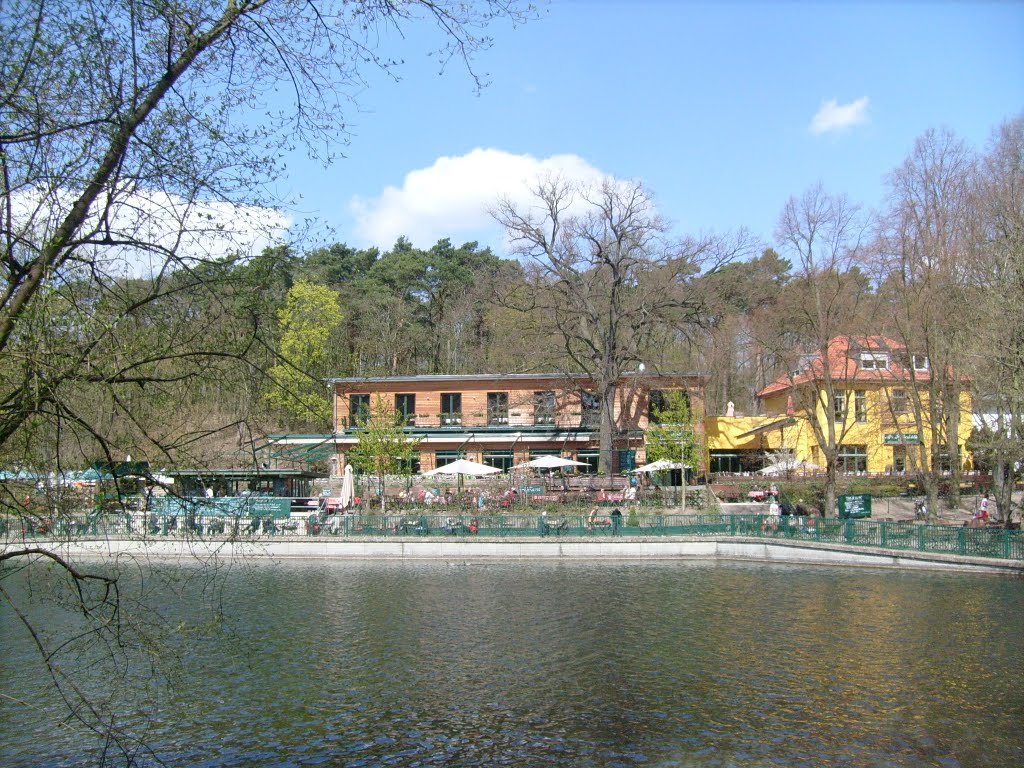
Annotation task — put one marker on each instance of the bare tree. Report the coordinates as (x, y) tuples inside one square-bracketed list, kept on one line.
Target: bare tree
[(138, 146), (605, 274), (822, 235), (996, 351), (926, 248)]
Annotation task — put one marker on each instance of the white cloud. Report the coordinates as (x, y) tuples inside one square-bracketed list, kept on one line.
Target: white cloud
[(838, 117), (160, 224), (450, 198)]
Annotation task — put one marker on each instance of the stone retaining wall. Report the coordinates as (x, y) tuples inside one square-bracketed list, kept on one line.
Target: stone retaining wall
[(661, 548)]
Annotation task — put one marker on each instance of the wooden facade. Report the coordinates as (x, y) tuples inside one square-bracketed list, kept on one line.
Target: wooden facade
[(504, 420)]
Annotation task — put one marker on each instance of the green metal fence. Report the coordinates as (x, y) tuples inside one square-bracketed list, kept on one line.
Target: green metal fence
[(918, 537), (997, 543)]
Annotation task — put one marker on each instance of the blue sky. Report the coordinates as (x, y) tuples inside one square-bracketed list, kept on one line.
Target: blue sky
[(722, 110)]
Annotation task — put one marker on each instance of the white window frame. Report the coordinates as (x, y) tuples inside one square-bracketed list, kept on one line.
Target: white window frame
[(874, 361)]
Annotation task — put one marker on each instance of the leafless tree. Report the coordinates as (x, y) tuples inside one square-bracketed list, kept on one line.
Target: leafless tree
[(604, 272), (822, 235), (926, 249), (995, 352)]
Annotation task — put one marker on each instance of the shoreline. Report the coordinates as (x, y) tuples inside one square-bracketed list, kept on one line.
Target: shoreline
[(635, 549)]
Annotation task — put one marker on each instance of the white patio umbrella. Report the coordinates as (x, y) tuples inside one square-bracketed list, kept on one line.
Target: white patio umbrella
[(661, 465), (552, 462), (462, 467), (348, 488)]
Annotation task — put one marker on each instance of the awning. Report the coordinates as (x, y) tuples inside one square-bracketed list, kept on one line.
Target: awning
[(305, 453), (770, 426)]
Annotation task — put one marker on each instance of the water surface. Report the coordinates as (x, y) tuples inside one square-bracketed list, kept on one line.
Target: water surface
[(576, 664)]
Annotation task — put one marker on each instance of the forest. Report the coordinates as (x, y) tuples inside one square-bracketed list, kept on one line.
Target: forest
[(201, 362)]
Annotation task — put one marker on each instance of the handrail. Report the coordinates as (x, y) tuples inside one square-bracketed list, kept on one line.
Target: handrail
[(996, 543)]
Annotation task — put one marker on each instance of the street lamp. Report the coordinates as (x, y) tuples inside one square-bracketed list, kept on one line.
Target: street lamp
[(685, 435)]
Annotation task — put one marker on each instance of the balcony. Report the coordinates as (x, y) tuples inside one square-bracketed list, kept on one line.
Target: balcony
[(451, 419)]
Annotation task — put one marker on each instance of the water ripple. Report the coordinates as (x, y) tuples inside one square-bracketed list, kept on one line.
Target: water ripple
[(522, 664)]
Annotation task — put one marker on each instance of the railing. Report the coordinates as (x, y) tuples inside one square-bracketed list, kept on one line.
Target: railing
[(997, 543), (918, 537)]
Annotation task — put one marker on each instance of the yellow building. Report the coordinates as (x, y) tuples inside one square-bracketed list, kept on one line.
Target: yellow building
[(869, 396)]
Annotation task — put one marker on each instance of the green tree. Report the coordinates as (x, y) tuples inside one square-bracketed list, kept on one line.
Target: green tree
[(384, 447), (307, 320), (673, 436)]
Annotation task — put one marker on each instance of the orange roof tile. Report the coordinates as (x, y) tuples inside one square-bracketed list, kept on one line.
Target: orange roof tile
[(842, 362)]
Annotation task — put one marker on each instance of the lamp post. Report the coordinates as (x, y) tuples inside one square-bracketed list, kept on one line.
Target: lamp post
[(685, 435), (682, 464)]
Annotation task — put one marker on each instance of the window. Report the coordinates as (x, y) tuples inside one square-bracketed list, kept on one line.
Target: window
[(499, 459), (943, 461), (627, 460), (451, 408), (898, 401), (358, 409), (446, 457), (497, 408), (411, 465), (860, 406), (920, 362), (839, 406), (732, 461), (405, 406), (899, 458), (592, 459), (852, 458), (591, 416), (874, 361), (543, 407)]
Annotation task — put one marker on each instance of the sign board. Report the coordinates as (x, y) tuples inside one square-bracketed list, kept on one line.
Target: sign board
[(226, 506), (855, 505), (895, 438), (532, 489)]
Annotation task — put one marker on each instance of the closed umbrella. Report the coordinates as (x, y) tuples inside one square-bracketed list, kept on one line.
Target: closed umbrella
[(348, 489)]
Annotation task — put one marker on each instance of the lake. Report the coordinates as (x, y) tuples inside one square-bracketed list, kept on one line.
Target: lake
[(534, 664)]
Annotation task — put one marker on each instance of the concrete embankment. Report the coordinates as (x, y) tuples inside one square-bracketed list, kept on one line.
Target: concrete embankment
[(565, 548)]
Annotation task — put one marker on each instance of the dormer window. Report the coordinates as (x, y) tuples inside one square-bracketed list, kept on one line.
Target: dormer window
[(874, 361), (920, 362)]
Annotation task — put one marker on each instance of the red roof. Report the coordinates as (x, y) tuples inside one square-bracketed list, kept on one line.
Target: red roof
[(842, 362)]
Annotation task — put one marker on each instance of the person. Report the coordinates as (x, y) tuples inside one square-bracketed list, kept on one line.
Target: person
[(774, 512), (542, 524), (983, 508), (592, 519), (616, 520), (474, 526)]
